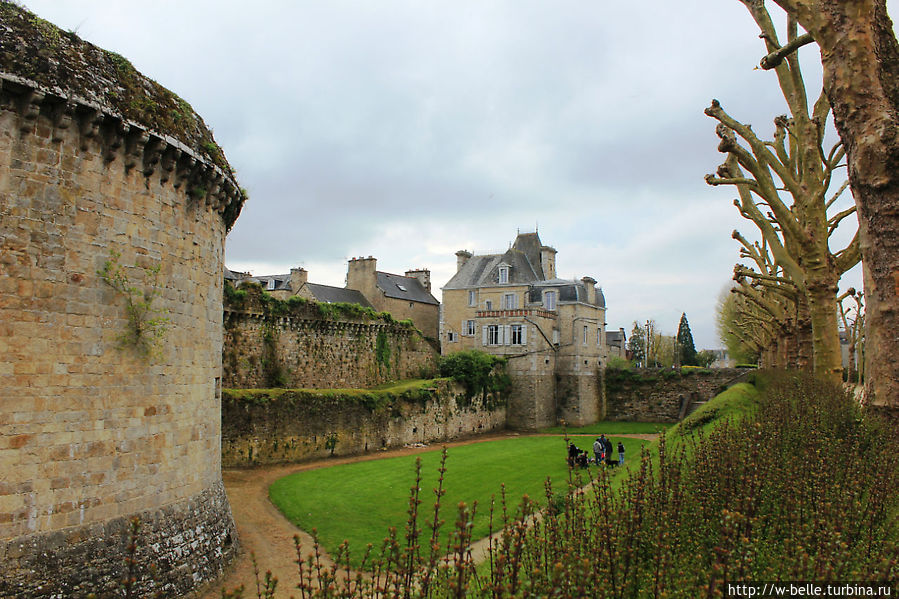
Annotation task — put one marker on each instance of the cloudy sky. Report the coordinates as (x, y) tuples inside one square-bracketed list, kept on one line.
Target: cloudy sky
[(408, 130)]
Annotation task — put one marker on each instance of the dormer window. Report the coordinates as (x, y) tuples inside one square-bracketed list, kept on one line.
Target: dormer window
[(270, 284), (503, 274)]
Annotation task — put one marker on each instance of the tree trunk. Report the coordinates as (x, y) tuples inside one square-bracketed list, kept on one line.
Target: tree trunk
[(822, 302), (860, 56)]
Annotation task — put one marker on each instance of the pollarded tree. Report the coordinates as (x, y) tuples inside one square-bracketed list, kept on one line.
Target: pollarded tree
[(686, 351), (853, 324), (783, 307), (860, 56), (785, 190)]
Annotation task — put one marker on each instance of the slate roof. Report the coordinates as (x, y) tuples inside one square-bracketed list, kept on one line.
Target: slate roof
[(406, 288), (615, 338), (569, 291), (335, 295), (483, 271), (281, 281), (231, 275)]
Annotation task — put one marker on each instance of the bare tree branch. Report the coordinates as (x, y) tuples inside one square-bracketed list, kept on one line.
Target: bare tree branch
[(774, 59)]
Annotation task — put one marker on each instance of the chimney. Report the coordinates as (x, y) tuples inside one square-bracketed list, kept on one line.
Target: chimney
[(298, 278), (590, 285), (423, 275), (361, 275), (462, 257), (548, 262)]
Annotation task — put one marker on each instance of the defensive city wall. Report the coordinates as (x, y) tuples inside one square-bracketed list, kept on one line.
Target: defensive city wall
[(290, 425), (110, 411), (304, 344), (664, 394)]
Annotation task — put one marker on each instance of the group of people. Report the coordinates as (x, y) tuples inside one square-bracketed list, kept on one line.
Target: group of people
[(602, 450)]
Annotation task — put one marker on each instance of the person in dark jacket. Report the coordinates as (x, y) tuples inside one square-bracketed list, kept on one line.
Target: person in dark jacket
[(620, 453)]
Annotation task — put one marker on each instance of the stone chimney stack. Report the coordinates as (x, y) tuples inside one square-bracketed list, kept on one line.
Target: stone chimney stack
[(362, 275), (298, 278), (590, 285), (423, 275), (462, 257), (548, 261)]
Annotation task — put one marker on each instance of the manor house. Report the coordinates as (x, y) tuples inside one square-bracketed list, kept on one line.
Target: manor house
[(551, 330)]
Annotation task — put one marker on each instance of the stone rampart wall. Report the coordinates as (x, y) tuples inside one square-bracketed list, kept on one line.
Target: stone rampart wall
[(302, 348), (271, 426), (656, 395)]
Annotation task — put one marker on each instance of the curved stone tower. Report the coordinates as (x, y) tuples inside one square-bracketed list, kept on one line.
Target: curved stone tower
[(101, 419)]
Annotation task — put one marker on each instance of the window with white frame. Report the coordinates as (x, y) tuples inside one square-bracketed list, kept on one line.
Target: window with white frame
[(494, 334), (510, 301), (452, 337), (585, 334), (271, 284), (488, 304), (472, 298), (598, 336), (549, 300), (503, 274), (468, 328), (517, 334)]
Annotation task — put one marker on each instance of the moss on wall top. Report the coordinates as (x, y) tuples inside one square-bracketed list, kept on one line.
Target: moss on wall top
[(377, 398), (35, 49), (252, 297)]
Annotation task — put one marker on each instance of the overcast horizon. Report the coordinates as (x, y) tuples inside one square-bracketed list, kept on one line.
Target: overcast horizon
[(408, 131)]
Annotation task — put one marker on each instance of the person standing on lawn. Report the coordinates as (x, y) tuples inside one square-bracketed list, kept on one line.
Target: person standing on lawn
[(599, 450), (620, 453), (609, 448)]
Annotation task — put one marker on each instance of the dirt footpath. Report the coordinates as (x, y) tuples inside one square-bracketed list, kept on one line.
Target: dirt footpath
[(265, 533)]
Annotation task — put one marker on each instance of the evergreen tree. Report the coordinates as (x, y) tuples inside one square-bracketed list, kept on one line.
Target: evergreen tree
[(685, 348), (636, 344)]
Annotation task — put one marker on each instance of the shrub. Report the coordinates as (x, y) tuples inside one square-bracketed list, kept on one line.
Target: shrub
[(618, 363), (477, 371)]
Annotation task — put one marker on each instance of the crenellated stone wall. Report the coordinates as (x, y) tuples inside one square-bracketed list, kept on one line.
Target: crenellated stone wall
[(301, 344), (272, 425), (93, 431)]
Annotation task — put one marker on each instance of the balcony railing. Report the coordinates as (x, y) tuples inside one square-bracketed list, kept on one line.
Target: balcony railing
[(517, 312)]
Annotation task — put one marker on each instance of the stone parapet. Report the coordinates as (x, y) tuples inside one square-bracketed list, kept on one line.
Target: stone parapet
[(117, 137)]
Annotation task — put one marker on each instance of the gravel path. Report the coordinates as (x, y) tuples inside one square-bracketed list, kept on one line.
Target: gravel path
[(268, 535)]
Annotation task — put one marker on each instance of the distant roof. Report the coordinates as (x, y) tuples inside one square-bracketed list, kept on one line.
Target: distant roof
[(407, 288), (337, 295), (281, 281), (231, 275), (617, 338)]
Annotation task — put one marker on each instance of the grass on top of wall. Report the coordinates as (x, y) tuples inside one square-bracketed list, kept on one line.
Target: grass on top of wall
[(359, 502), (374, 397)]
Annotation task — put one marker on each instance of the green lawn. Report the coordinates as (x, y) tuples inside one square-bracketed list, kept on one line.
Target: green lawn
[(359, 502), (613, 428)]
